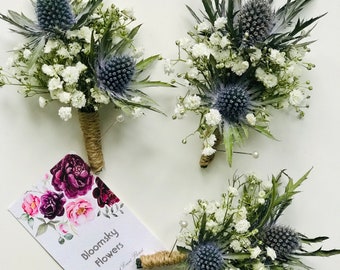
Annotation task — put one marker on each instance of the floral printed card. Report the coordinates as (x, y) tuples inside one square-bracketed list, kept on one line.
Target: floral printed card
[(80, 222)]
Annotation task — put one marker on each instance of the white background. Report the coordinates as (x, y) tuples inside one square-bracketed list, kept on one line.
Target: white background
[(146, 163)]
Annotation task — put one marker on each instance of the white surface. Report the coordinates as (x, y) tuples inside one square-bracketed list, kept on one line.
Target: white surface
[(147, 165)]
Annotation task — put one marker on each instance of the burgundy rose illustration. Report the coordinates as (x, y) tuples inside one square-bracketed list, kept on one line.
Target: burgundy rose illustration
[(52, 205), (103, 194), (72, 176)]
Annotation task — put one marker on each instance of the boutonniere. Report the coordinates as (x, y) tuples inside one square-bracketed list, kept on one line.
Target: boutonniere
[(82, 55), (242, 230), (242, 59)]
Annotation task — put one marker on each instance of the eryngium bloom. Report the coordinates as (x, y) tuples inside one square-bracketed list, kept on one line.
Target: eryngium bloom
[(54, 15), (207, 256), (282, 239), (255, 22), (115, 73), (232, 101)]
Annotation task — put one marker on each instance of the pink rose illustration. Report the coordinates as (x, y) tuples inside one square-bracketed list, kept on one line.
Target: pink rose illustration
[(63, 228), (31, 204), (80, 211), (72, 176)]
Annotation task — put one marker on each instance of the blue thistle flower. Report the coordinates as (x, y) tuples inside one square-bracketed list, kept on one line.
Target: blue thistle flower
[(54, 15), (207, 256), (115, 73), (255, 22), (282, 239), (233, 101)]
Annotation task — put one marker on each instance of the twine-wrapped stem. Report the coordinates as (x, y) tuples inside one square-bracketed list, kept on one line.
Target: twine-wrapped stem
[(90, 126), (206, 160), (159, 259)]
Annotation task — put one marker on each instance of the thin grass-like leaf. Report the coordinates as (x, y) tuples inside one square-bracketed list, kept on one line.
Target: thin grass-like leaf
[(145, 63), (194, 14), (121, 46)]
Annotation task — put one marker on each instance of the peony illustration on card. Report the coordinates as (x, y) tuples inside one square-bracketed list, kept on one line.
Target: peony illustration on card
[(72, 211)]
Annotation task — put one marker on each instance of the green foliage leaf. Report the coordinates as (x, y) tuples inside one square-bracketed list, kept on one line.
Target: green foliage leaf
[(146, 83), (319, 239), (209, 9), (121, 46), (264, 131), (229, 144), (41, 229), (145, 63), (86, 13), (237, 256), (30, 222), (182, 249), (68, 236), (230, 18), (61, 240), (321, 253), (194, 14), (24, 25), (202, 231)]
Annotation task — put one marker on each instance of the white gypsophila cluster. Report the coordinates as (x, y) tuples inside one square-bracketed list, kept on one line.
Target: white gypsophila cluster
[(208, 151), (255, 252), (269, 80), (251, 119), (65, 113), (213, 117), (208, 143), (242, 226), (217, 45), (192, 102), (200, 50), (42, 102), (168, 67), (277, 57), (220, 23), (99, 96), (203, 26), (271, 253), (296, 97)]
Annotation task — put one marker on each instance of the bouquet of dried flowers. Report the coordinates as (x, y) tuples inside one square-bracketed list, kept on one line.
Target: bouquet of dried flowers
[(243, 58), (81, 54), (242, 231)]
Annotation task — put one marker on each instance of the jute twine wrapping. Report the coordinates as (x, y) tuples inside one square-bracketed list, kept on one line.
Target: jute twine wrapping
[(159, 259), (206, 160), (90, 126)]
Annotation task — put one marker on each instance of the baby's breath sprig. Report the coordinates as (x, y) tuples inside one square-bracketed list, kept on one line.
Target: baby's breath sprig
[(242, 229), (82, 55), (242, 58)]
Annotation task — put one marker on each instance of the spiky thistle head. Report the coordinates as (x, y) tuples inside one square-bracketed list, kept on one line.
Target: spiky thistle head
[(255, 22), (282, 239), (206, 256), (233, 101), (54, 15), (115, 73)]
